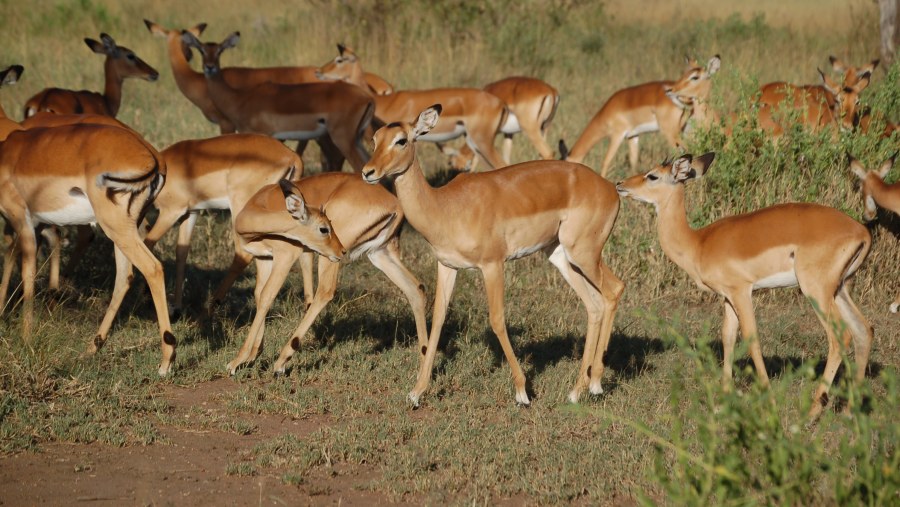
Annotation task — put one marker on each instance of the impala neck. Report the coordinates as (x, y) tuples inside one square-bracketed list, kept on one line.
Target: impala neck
[(226, 97), (186, 78), (112, 91), (677, 239), (419, 200), (885, 195)]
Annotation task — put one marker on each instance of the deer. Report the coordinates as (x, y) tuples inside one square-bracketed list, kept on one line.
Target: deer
[(663, 106), (483, 220), (298, 111), (875, 192), (121, 63), (797, 244), (365, 219)]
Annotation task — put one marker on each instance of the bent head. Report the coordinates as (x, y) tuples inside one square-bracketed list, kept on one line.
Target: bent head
[(868, 181), (210, 51), (175, 35), (125, 63), (395, 145), (694, 84), (846, 99), (314, 231), (342, 68), (661, 181), (852, 75)]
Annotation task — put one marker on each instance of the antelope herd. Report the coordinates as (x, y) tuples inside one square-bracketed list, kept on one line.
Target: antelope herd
[(70, 162)]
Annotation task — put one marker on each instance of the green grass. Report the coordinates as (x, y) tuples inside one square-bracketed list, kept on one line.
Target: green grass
[(662, 432)]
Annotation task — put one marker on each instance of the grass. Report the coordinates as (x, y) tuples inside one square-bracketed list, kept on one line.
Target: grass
[(662, 431)]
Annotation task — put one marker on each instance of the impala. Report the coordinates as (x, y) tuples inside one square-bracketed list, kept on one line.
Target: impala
[(218, 173), (821, 106), (121, 63), (483, 220), (470, 111), (876, 192), (813, 246), (365, 219), (648, 107), (82, 174), (193, 85), (298, 111), (532, 105)]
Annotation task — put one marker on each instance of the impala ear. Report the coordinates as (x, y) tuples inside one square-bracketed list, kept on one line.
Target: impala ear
[(230, 41), (714, 64), (108, 43), (197, 30), (701, 164), (682, 169), (863, 83), (293, 201), (856, 167), (830, 85), (11, 74), (95, 46), (154, 28), (886, 166), (836, 64), (341, 48), (191, 40), (427, 120)]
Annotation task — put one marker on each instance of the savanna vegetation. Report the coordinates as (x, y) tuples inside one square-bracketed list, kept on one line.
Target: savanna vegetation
[(663, 432)]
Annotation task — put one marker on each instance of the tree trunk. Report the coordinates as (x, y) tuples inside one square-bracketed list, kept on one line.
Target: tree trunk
[(890, 31)]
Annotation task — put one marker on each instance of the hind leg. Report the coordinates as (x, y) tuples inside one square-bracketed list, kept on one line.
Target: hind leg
[(861, 330)]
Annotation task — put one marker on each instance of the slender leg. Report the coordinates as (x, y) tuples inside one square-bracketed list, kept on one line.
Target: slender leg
[(506, 148), (239, 262), (611, 290), (614, 142), (328, 279), (446, 279), (540, 143), (306, 269), (729, 337), (633, 150), (28, 247), (743, 307), (182, 249), (388, 261), (493, 283), (9, 260), (124, 277), (51, 234)]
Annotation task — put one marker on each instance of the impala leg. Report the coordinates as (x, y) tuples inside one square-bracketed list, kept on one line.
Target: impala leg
[(633, 151), (729, 337), (388, 261), (506, 148), (239, 262), (614, 142), (328, 279), (493, 283), (28, 247), (124, 277), (611, 290), (182, 249), (83, 238), (743, 306), (280, 265), (536, 136), (835, 349), (861, 329), (446, 279), (895, 306), (332, 155), (51, 234), (306, 270), (482, 143), (9, 260)]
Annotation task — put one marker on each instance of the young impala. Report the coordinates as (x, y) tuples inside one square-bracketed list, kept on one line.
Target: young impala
[(80, 174), (365, 219), (120, 63), (875, 192), (662, 106), (482, 220), (813, 246)]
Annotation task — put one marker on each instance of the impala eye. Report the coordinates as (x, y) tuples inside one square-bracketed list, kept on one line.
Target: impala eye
[(130, 56), (400, 142), (652, 177), (324, 231)]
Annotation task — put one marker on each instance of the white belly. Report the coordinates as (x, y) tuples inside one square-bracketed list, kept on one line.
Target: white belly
[(440, 137), (643, 129), (78, 211), (785, 279), (511, 126), (219, 203)]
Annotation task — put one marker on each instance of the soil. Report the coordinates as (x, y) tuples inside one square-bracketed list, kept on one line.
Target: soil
[(189, 468)]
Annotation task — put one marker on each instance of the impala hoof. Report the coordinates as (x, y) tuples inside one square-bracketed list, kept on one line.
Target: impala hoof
[(895, 307), (596, 388), (414, 399), (573, 397), (164, 370), (522, 398), (231, 369)]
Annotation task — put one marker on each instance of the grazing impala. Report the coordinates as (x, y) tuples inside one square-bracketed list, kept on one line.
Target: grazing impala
[(193, 85), (663, 106), (298, 111), (483, 220), (218, 173), (470, 111), (876, 192), (821, 106), (813, 246), (121, 63), (366, 220), (81, 174), (532, 105)]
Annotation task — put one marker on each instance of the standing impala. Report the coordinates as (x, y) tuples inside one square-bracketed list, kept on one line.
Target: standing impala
[(299, 111), (532, 105), (366, 220), (875, 192), (82, 174), (470, 111), (662, 106), (483, 220), (120, 63), (813, 246), (218, 173)]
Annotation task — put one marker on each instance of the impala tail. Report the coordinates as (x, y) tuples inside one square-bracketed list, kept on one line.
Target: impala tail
[(133, 184), (563, 150)]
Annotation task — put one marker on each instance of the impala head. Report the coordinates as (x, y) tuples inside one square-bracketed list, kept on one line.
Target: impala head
[(123, 60), (395, 145), (852, 75), (11, 74), (846, 98), (210, 51), (694, 83), (174, 36), (664, 179), (315, 230), (343, 68), (868, 180)]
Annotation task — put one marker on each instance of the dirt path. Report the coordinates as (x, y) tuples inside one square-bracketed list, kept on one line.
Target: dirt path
[(190, 468)]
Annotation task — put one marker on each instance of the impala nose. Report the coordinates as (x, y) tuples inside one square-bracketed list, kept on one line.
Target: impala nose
[(368, 174)]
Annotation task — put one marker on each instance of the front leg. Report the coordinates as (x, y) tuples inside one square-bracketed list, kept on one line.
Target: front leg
[(446, 279), (493, 284)]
